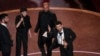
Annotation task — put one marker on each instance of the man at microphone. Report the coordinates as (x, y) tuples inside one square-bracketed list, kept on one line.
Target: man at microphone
[(23, 25)]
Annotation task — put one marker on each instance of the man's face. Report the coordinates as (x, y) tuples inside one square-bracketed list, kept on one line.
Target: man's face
[(46, 6), (24, 13), (59, 27), (6, 19)]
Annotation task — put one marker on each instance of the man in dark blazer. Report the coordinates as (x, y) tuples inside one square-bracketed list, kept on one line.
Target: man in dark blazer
[(64, 38), (46, 22), (23, 26), (5, 38)]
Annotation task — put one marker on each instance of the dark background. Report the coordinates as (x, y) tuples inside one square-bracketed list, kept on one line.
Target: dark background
[(93, 5)]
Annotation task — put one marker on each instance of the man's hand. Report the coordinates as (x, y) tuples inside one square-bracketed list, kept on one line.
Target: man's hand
[(49, 28), (30, 34), (18, 24), (65, 44), (53, 40), (21, 19)]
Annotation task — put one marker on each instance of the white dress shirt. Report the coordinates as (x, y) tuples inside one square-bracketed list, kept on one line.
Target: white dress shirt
[(61, 37), (4, 24)]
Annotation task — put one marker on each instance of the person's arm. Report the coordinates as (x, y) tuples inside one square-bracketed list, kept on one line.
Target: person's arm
[(38, 24), (72, 35), (49, 29), (53, 35), (18, 24), (54, 19), (65, 43), (5, 36), (29, 26), (29, 32), (52, 22), (18, 21)]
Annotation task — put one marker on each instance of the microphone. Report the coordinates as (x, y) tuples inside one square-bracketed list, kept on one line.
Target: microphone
[(23, 20)]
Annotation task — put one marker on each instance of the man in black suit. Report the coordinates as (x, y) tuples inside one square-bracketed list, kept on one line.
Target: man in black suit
[(46, 22), (5, 38), (23, 25), (64, 38)]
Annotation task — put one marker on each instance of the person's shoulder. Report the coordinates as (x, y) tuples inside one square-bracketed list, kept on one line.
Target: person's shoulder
[(66, 28), (1, 27), (51, 12), (28, 16), (18, 16), (41, 11), (54, 30)]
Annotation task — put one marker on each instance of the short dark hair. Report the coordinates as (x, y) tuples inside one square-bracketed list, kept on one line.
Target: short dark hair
[(23, 9), (58, 22), (2, 16), (44, 3)]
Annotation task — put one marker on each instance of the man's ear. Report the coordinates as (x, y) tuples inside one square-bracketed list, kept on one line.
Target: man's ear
[(2, 20)]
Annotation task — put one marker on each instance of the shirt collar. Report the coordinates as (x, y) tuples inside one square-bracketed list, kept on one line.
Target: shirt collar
[(4, 24), (62, 31)]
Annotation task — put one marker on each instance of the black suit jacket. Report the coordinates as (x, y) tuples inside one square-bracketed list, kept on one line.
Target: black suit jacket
[(45, 19), (26, 25), (69, 36), (5, 40)]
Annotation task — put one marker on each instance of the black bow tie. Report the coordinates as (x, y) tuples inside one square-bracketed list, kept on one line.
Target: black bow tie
[(60, 33)]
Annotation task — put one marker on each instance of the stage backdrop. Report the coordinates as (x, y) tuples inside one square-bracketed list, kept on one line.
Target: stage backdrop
[(86, 25), (81, 4)]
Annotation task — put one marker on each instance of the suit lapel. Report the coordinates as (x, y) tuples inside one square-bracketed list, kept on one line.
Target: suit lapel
[(64, 32)]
